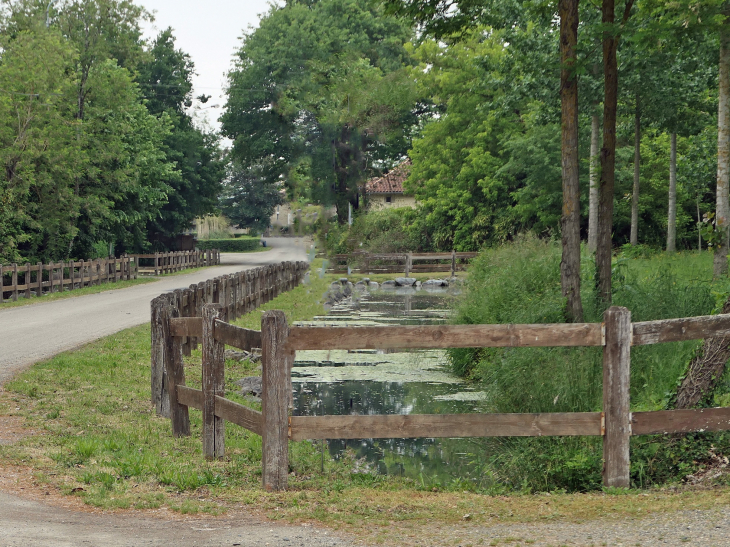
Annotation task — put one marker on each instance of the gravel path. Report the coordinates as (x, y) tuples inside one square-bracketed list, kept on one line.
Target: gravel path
[(29, 334)]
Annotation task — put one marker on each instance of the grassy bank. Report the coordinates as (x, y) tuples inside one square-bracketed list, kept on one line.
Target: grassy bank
[(520, 283)]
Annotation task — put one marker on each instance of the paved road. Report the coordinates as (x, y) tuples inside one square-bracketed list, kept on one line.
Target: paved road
[(29, 334)]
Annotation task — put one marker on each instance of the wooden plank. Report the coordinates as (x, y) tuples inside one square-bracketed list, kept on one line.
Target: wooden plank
[(276, 361), (192, 398), (680, 421), (239, 415), (616, 384), (446, 336), (213, 362), (14, 282), (676, 330), (237, 337), (444, 425)]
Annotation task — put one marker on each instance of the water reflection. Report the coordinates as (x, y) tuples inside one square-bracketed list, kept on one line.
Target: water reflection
[(371, 383)]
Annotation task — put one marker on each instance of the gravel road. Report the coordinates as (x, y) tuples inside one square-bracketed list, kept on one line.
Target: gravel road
[(29, 334)]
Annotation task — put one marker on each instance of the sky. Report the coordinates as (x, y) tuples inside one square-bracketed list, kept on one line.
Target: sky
[(209, 32)]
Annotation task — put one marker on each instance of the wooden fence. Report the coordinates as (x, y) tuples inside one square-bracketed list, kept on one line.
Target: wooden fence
[(236, 294), (163, 263), (278, 343), (408, 263), (39, 279)]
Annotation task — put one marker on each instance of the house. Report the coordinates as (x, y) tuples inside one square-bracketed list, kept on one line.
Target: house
[(387, 191)]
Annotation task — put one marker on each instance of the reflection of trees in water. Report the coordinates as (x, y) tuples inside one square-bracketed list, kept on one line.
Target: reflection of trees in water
[(434, 461)]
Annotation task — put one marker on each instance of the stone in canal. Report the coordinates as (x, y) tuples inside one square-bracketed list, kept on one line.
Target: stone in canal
[(374, 284), (405, 281), (436, 283), (389, 285)]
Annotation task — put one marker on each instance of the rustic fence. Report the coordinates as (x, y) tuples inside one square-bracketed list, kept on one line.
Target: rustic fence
[(408, 263), (38, 279), (163, 263), (235, 294), (278, 343)]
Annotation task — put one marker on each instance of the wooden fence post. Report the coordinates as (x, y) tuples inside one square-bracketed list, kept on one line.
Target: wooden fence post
[(213, 361), (175, 371), (616, 384), (159, 384), (27, 280), (2, 281), (40, 279), (453, 262), (14, 282), (276, 360)]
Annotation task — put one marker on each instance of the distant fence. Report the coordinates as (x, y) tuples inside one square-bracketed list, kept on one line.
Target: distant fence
[(236, 294), (39, 279), (164, 263), (408, 263), (278, 342)]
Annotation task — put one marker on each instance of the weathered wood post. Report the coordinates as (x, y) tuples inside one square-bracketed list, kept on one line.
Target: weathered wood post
[(453, 262), (616, 399), (2, 282), (213, 361), (40, 279), (158, 384), (276, 361), (175, 370), (14, 282), (27, 280)]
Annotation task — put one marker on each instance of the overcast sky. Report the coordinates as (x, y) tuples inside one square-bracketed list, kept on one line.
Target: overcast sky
[(209, 32)]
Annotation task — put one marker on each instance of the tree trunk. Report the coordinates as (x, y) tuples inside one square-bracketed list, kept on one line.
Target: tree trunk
[(723, 153), (608, 154), (672, 213), (570, 221), (705, 370), (595, 163), (634, 237)]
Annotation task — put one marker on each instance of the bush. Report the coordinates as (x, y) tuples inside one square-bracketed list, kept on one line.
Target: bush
[(237, 245)]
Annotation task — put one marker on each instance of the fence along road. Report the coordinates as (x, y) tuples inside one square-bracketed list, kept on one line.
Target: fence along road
[(29, 334)]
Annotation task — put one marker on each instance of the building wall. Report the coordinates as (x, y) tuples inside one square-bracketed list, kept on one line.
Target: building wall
[(378, 201)]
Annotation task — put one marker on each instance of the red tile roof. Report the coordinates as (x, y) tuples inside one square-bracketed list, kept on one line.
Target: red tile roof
[(391, 182)]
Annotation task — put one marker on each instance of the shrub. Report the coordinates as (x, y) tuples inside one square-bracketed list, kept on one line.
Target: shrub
[(236, 245)]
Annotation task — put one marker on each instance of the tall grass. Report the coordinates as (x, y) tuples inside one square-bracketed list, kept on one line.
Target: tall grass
[(520, 283)]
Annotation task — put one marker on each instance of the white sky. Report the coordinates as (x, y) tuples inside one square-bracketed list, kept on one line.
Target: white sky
[(209, 32)]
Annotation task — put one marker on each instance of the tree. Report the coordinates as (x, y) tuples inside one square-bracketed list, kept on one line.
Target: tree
[(570, 223), (248, 200), (165, 76), (321, 81)]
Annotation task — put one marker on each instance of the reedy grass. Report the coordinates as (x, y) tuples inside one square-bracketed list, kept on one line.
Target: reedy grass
[(520, 283)]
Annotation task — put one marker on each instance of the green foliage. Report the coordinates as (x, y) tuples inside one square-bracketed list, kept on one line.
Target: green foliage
[(235, 245), (85, 157), (248, 200), (320, 90), (519, 283)]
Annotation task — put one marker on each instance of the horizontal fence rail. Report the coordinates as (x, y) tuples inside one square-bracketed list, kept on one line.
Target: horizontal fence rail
[(40, 279), (615, 423), (176, 261), (408, 263)]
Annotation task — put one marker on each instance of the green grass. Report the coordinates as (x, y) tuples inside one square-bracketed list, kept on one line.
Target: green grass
[(94, 434)]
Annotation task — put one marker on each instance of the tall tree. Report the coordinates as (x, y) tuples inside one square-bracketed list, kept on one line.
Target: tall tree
[(570, 223), (165, 76), (323, 81)]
